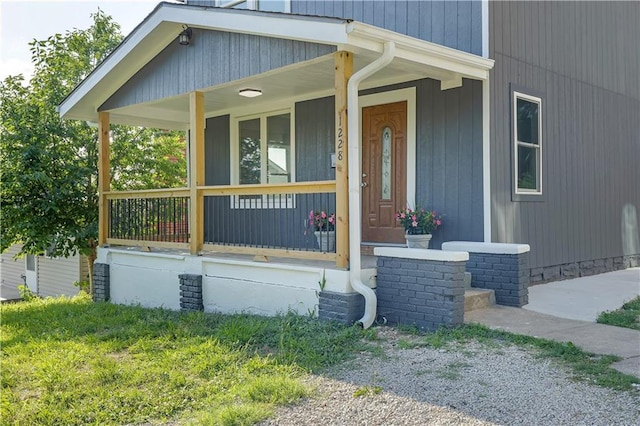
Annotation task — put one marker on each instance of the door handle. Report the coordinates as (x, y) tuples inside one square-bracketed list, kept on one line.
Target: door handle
[(364, 184)]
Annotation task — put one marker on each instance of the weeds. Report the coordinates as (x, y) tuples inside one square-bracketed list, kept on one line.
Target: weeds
[(627, 316)]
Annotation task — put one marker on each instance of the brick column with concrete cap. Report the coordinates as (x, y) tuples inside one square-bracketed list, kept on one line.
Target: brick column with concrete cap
[(503, 268), (421, 287)]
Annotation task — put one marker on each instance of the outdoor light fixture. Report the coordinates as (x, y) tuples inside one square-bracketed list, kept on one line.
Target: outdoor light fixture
[(250, 93), (185, 36)]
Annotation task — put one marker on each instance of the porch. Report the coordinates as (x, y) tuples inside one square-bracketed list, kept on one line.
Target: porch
[(308, 71)]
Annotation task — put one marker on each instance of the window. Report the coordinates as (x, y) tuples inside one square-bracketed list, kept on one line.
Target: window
[(263, 5), (265, 153), (527, 132)]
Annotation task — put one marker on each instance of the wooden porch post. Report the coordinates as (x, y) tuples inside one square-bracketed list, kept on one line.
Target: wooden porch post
[(104, 176), (196, 174), (343, 71)]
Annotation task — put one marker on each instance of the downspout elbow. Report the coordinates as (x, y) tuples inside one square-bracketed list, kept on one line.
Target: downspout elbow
[(355, 208)]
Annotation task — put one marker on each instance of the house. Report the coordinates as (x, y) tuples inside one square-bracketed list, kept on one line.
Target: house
[(43, 275), (516, 120)]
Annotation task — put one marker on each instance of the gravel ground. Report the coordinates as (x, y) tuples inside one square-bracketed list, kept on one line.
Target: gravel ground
[(470, 384)]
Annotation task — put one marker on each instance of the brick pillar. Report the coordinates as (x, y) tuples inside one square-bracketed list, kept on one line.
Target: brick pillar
[(421, 287), (503, 268), (191, 292), (346, 308), (101, 281)]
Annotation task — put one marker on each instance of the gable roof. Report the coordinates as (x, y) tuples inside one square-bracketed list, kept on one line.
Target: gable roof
[(162, 26)]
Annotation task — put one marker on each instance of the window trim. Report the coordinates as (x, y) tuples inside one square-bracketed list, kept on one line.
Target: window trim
[(520, 194), (267, 201)]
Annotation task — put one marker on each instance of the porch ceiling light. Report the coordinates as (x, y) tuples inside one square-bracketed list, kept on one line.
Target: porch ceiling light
[(250, 93), (185, 36)]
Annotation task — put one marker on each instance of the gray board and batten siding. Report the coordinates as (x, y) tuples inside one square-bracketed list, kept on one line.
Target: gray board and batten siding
[(582, 59), (213, 58), (456, 24), (448, 155)]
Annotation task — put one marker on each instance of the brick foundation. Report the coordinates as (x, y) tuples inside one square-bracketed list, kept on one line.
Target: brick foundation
[(191, 292), (419, 287), (346, 308), (503, 268), (101, 280)]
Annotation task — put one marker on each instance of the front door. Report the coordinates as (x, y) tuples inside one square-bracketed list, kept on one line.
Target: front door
[(31, 272), (384, 175)]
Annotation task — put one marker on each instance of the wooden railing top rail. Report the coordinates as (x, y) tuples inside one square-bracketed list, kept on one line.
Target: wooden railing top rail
[(257, 189), (148, 193), (271, 188)]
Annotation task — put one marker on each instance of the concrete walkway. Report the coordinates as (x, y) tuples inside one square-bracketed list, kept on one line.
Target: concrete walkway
[(565, 311)]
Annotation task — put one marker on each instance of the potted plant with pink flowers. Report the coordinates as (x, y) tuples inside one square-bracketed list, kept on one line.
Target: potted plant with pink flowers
[(324, 225), (418, 225)]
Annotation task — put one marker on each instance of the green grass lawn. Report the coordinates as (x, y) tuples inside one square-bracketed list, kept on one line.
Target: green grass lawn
[(72, 362), (628, 316)]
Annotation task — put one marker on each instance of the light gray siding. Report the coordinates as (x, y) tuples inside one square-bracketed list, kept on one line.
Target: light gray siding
[(57, 275), (456, 24), (583, 59), (11, 269), (212, 58)]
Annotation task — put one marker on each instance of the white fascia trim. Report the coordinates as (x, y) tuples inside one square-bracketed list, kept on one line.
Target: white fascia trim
[(421, 254), (485, 28), (486, 159), (368, 37), (329, 31), (489, 248)]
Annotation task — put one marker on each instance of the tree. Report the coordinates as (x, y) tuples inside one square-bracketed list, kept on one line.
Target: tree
[(49, 194)]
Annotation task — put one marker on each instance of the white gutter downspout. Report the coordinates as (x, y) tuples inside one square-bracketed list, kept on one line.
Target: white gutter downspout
[(355, 173)]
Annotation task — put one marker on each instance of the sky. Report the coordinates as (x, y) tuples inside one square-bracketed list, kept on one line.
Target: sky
[(21, 21)]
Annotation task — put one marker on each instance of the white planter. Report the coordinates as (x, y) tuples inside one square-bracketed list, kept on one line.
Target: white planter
[(326, 240), (418, 241)]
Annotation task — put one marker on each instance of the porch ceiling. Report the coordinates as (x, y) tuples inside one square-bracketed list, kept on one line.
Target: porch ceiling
[(301, 81)]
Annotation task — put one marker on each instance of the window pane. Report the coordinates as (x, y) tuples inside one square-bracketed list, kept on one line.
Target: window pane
[(278, 149), (272, 5), (249, 131), (527, 124), (386, 163), (31, 262), (527, 168)]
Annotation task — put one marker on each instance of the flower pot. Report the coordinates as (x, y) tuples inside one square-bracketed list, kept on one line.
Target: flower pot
[(326, 240), (418, 241)]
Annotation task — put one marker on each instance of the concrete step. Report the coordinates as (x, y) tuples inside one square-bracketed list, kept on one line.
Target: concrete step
[(478, 298)]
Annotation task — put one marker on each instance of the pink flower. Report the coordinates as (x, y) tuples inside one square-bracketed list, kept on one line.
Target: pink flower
[(414, 218), (433, 214), (438, 222), (323, 215), (311, 214), (402, 215), (331, 220), (414, 224)]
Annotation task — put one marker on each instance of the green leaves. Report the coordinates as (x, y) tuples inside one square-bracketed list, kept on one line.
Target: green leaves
[(49, 165)]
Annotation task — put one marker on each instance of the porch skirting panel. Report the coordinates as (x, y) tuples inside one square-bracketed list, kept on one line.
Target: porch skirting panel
[(225, 283), (423, 288)]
